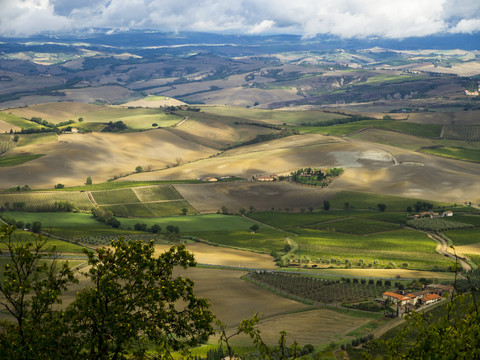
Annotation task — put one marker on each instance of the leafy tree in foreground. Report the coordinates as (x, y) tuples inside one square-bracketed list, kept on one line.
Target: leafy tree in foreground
[(30, 288), (135, 297)]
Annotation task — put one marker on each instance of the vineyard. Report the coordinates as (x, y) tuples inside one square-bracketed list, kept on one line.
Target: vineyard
[(107, 239), (44, 201), (120, 196), (462, 132), (155, 193), (435, 224), (6, 146), (320, 290)]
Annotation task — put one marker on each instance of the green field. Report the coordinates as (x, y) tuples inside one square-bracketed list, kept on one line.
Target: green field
[(457, 153), (467, 219), (41, 201), (155, 193), (28, 139), (283, 220), (119, 196), (67, 225), (264, 240), (130, 210), (272, 116), (168, 208), (14, 160), (425, 130), (355, 226), (112, 185), (393, 248), (464, 236), (361, 200), (18, 121)]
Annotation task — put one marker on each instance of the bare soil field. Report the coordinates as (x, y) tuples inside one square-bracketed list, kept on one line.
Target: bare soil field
[(208, 198), (320, 326), (56, 112), (368, 167), (470, 68), (216, 132), (240, 96), (468, 249), (214, 255), (145, 103), (109, 93), (234, 299), (99, 155), (6, 127), (279, 156), (446, 118)]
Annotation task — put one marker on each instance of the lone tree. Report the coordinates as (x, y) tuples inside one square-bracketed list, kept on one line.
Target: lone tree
[(254, 228), (382, 207), (326, 205), (88, 181), (139, 169)]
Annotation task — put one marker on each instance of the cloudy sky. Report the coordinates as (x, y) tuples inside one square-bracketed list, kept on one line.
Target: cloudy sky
[(346, 18)]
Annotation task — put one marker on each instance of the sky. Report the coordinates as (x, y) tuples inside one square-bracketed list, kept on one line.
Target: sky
[(344, 18)]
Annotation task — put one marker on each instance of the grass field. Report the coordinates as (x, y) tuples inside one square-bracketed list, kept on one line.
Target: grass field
[(264, 240), (112, 185), (60, 245), (119, 196), (424, 130), (464, 236), (355, 226), (360, 200), (14, 160), (28, 139), (130, 210), (169, 208), (284, 220), (68, 225), (155, 193), (455, 153), (397, 247), (18, 121)]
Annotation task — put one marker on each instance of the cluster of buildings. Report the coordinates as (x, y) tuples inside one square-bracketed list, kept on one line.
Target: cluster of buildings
[(432, 214), (431, 294), (473, 93)]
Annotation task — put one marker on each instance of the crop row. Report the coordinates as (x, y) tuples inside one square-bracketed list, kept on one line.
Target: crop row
[(462, 132), (320, 290), (44, 201), (436, 224), (107, 239)]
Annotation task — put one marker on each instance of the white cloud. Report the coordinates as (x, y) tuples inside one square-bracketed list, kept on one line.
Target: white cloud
[(467, 26), (346, 18), (262, 27)]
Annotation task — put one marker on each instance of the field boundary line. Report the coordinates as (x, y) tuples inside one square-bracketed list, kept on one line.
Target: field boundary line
[(92, 199)]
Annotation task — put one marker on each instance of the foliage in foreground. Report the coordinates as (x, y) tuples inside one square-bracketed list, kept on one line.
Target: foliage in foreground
[(133, 300)]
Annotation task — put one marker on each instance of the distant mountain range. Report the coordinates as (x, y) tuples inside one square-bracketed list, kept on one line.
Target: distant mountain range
[(147, 41)]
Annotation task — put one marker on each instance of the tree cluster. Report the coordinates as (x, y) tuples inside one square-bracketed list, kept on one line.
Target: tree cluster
[(133, 303)]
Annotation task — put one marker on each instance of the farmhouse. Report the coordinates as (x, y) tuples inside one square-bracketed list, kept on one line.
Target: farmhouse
[(209, 179), (471, 93), (266, 178), (430, 299), (397, 298), (439, 289), (447, 213)]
